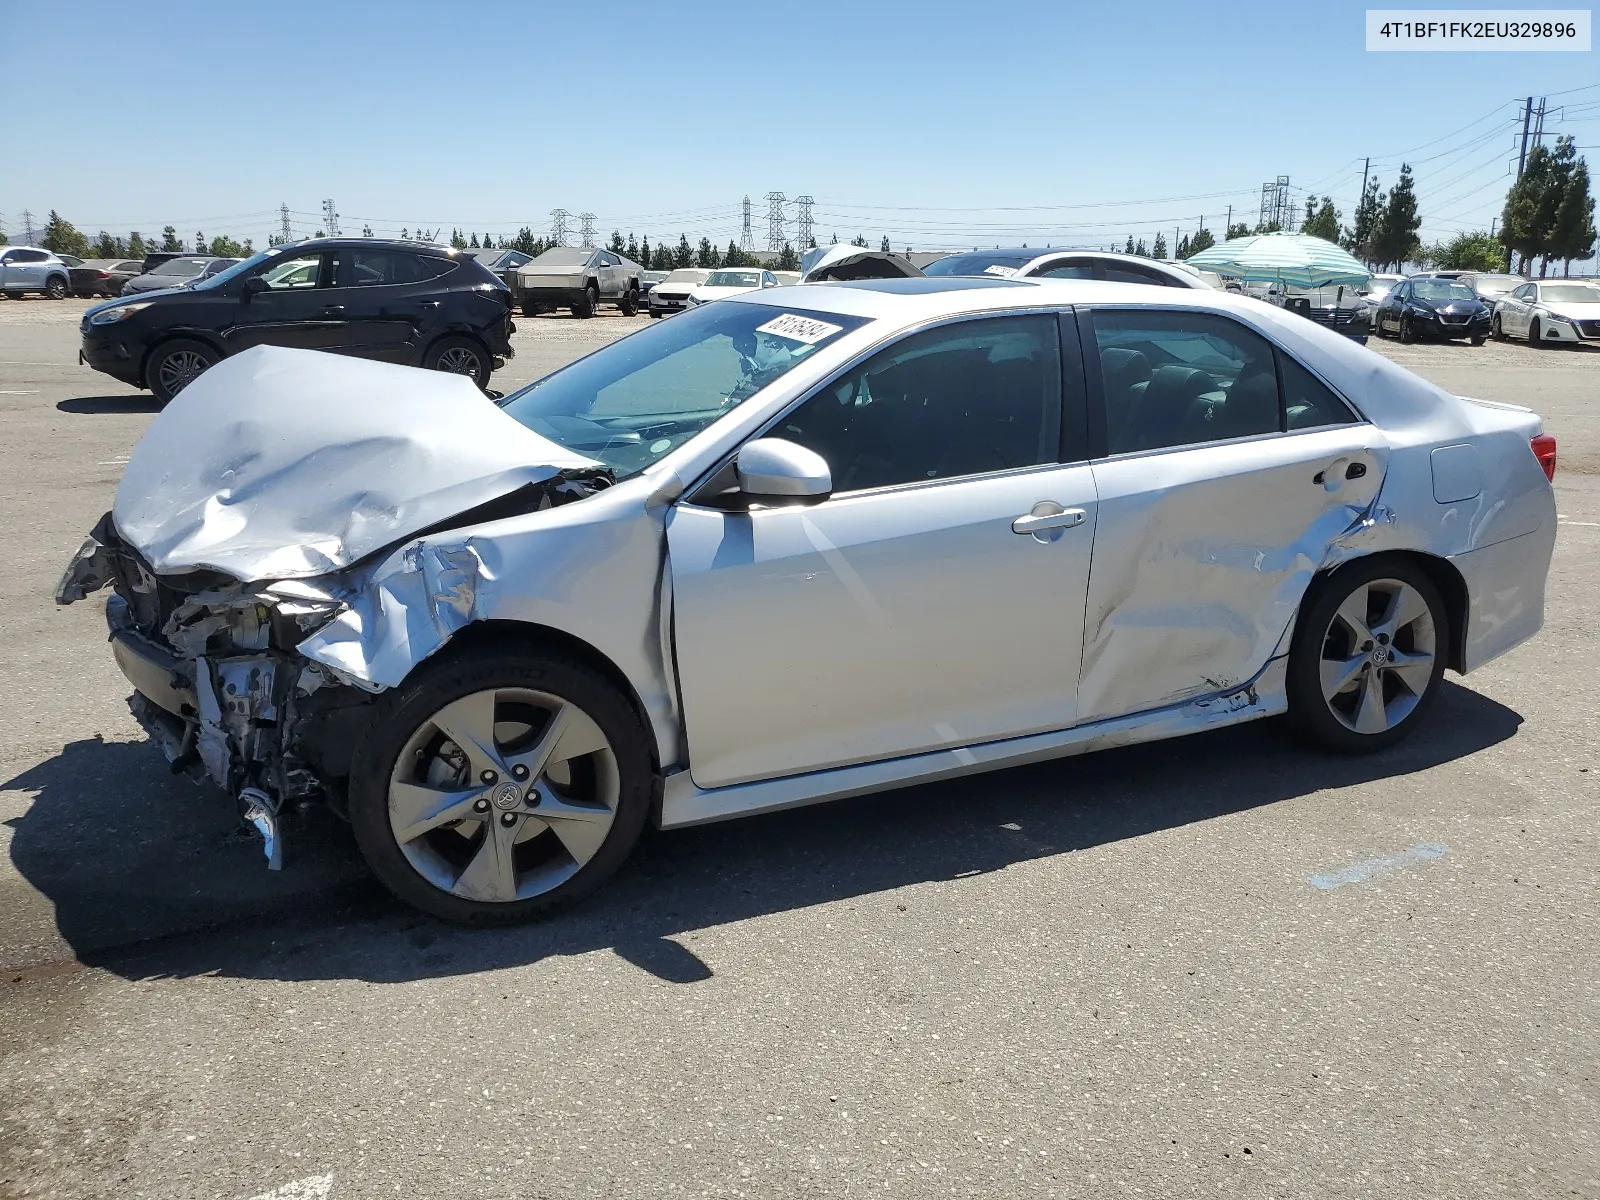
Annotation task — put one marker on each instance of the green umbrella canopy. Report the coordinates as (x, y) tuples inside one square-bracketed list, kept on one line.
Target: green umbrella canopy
[(1296, 258)]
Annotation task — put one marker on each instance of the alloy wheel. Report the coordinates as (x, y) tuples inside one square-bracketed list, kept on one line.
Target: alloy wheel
[(1378, 656), (458, 360), (503, 794), (179, 369)]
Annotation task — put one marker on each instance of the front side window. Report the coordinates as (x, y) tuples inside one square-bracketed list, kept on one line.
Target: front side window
[(963, 399), (294, 274), (1182, 378), (639, 398)]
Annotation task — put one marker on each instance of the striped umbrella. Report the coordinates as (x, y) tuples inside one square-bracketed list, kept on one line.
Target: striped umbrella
[(1296, 258)]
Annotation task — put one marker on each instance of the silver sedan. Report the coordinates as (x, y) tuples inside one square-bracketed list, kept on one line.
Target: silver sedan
[(800, 545)]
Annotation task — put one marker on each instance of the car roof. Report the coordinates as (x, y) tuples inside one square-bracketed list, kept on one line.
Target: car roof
[(340, 243)]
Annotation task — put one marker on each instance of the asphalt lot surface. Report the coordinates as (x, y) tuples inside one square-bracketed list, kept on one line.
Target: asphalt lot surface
[(1106, 976)]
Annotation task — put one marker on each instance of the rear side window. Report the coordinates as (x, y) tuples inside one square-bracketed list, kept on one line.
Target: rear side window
[(1126, 273), (1182, 379), (1067, 270), (372, 268), (1309, 403)]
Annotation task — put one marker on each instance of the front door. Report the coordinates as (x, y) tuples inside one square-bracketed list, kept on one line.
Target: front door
[(297, 308), (910, 611), (1220, 489)]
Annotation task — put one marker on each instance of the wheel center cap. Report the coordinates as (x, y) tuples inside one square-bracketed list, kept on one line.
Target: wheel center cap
[(1380, 656), (507, 796)]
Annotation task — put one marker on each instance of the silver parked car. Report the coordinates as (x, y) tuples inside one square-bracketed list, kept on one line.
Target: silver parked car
[(177, 273), (1549, 310), (672, 293), (798, 545), (578, 279), (1025, 263), (25, 269)]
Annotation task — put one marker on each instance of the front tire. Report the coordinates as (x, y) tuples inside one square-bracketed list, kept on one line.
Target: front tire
[(55, 288), (1496, 330), (174, 365), (589, 305), (1367, 656), (500, 785), (460, 356), (1408, 334), (1477, 339), (1533, 334)]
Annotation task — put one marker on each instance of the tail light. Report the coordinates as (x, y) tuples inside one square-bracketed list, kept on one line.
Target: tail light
[(102, 274), (1544, 449)]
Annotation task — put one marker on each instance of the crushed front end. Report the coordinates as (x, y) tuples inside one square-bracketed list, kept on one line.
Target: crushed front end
[(218, 684)]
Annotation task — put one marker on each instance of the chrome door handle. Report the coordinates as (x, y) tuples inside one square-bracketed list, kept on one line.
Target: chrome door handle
[(1061, 518), (334, 310)]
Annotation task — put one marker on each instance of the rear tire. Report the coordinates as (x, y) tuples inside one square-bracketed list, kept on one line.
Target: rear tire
[(1367, 656), (430, 871), (173, 366), (460, 356)]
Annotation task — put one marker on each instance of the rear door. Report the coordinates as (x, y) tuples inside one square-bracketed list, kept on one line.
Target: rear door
[(910, 611), (386, 298), (297, 309), (1223, 468)]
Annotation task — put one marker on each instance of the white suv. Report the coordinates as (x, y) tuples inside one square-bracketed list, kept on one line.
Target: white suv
[(25, 269)]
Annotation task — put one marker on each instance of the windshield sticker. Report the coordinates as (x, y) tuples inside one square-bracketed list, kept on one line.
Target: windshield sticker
[(1003, 272), (800, 329)]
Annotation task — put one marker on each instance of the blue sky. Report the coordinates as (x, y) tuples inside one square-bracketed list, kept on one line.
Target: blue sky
[(938, 124)]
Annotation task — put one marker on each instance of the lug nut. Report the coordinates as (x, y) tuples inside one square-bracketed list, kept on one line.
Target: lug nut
[(480, 806), (520, 771), (488, 776), (533, 797), (508, 818), (1383, 639)]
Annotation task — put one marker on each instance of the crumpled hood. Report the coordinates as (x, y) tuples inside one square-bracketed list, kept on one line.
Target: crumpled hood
[(280, 464)]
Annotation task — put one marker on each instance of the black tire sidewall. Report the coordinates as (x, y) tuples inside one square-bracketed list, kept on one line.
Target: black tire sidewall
[(53, 282), (403, 710), (1308, 710), (152, 373), (485, 364)]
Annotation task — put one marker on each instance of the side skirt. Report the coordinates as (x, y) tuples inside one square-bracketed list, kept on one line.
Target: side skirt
[(684, 804)]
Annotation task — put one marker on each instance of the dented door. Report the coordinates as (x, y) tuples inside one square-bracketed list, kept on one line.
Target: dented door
[(1201, 556)]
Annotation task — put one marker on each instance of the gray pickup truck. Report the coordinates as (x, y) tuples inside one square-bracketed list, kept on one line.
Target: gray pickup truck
[(579, 279)]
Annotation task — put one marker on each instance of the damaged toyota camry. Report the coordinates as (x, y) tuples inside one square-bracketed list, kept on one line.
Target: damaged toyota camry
[(796, 546)]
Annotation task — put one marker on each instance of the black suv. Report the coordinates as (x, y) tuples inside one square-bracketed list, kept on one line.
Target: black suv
[(401, 302)]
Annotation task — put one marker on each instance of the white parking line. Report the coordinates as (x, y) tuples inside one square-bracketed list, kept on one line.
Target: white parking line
[(1367, 868), (35, 392), (316, 1187)]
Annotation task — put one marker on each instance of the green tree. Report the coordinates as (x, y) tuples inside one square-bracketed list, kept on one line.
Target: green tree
[(1395, 240), (106, 246), (1322, 219), (1476, 251), (662, 258), (366, 230), (1202, 240), (733, 256), (788, 260), (884, 245), (633, 247), (1159, 250), (1237, 230), (63, 237), (200, 246), (170, 242), (457, 240), (834, 241), (1358, 237), (525, 241), (472, 243), (1572, 232), (644, 253), (136, 246), (224, 246), (1128, 249), (1139, 249), (683, 256), (706, 255), (617, 245), (858, 240)]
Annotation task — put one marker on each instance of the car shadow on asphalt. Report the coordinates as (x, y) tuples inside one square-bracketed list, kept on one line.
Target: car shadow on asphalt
[(151, 878), (97, 406)]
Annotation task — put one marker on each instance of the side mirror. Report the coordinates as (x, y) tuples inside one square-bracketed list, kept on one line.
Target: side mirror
[(774, 469), (253, 286)]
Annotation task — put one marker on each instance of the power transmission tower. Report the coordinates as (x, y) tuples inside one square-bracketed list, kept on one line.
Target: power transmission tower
[(558, 226), (1538, 122), (1527, 117), (802, 223), (1275, 203), (27, 228), (285, 227), (747, 240), (775, 221), (330, 219), (586, 233)]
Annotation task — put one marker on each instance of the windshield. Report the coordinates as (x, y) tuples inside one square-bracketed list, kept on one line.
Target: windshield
[(686, 275), (1441, 289), (1569, 293), (633, 401), (1497, 283), (183, 268), (978, 263), (239, 268), (734, 279), (563, 256)]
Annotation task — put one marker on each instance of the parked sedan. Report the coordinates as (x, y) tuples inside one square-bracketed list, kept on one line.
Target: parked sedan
[(672, 293), (177, 273), (1430, 307), (400, 302), (103, 276), (795, 546), (25, 269), (503, 264), (1491, 286), (732, 281), (1554, 312), (578, 279), (1023, 263)]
